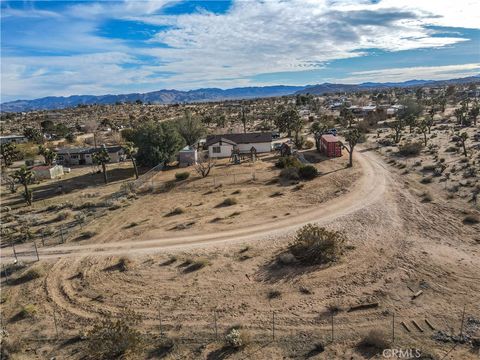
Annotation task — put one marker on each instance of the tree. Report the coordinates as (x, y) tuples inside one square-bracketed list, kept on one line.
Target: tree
[(24, 177), (450, 91), (61, 130), (101, 157), (131, 152), (286, 120), (442, 101), (347, 115), (48, 154), (423, 128), (351, 137), (244, 119), (47, 126), (190, 128), (460, 115), (410, 112), (297, 128), (397, 127), (9, 153), (204, 165), (474, 112), (157, 143), (463, 138), (429, 123), (33, 135), (317, 130)]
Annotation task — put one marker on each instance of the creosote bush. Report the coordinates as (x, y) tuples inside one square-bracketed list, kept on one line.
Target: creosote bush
[(228, 202), (288, 162), (176, 211), (28, 311), (115, 338), (316, 245), (184, 175), (237, 338), (410, 149), (308, 172)]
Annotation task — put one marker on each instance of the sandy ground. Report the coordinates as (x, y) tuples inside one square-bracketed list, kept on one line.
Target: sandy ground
[(396, 243)]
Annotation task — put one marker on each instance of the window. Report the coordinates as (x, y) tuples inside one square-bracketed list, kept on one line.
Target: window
[(216, 150)]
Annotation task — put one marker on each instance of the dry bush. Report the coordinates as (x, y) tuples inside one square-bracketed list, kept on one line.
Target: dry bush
[(86, 235), (27, 311), (176, 211), (290, 173), (308, 172), (184, 175), (376, 339), (410, 149), (316, 245), (63, 215), (471, 220), (195, 265), (237, 337), (228, 202), (115, 338), (30, 274), (125, 263), (274, 294), (426, 180)]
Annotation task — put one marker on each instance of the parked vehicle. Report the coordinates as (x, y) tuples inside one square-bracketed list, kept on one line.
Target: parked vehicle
[(277, 146)]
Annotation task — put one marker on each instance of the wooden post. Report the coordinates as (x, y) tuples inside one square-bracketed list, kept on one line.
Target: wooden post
[(461, 326), (36, 250), (332, 327), (14, 252), (214, 183), (5, 272), (43, 239), (393, 328), (215, 323), (273, 325), (55, 322), (61, 234), (160, 322)]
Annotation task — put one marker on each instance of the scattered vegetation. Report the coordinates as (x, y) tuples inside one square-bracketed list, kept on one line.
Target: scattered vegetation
[(184, 175), (237, 338)]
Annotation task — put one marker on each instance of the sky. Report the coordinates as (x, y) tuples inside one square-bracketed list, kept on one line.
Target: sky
[(62, 48)]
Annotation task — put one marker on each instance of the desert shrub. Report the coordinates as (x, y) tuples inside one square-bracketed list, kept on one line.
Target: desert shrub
[(427, 197), (471, 220), (375, 339), (85, 205), (288, 162), (179, 176), (125, 263), (176, 211), (80, 217), (308, 144), (286, 258), (228, 202), (30, 274), (429, 167), (426, 180), (274, 294), (290, 173), (277, 194), (27, 311), (86, 235), (410, 149), (63, 215), (114, 338), (195, 265), (308, 172), (115, 205), (237, 338), (316, 245), (451, 149)]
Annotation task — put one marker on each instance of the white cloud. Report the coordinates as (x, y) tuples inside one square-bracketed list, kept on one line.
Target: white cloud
[(206, 49)]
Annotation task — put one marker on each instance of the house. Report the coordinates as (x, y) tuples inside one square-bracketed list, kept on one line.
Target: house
[(47, 171), (12, 139), (187, 156), (84, 156), (330, 145), (220, 146)]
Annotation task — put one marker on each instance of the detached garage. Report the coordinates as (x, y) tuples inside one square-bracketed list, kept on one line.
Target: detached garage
[(330, 145)]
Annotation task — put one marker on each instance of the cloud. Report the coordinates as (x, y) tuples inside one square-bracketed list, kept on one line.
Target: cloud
[(61, 52)]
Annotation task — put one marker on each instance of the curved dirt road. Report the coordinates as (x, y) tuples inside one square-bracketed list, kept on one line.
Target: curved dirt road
[(367, 190)]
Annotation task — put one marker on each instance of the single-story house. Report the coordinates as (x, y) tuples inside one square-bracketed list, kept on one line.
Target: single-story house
[(187, 156), (330, 145), (47, 171), (84, 156), (220, 146), (12, 139)]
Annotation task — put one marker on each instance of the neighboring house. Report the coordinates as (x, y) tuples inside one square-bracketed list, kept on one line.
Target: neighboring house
[(12, 139), (47, 171), (220, 146), (84, 156), (187, 156), (330, 146)]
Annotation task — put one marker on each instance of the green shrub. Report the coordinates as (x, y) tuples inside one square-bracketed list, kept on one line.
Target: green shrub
[(27, 311), (182, 175), (410, 149), (316, 245), (308, 172), (228, 202), (288, 162), (86, 235), (290, 173), (426, 180)]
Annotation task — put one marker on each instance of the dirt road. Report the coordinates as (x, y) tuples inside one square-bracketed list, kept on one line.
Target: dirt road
[(367, 190)]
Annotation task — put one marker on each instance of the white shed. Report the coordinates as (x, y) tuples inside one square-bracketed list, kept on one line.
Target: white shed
[(48, 172)]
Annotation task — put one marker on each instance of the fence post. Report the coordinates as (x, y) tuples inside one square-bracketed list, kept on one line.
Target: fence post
[(6, 273), (43, 238), (36, 250), (393, 328), (61, 234), (160, 321), (461, 326), (332, 327), (14, 252), (55, 322), (273, 325), (215, 323)]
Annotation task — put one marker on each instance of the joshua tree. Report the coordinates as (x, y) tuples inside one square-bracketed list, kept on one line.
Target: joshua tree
[(460, 115), (474, 112), (9, 153), (397, 127), (423, 128), (352, 137), (317, 130), (131, 152), (204, 165), (48, 154), (102, 158), (429, 123), (24, 177), (411, 121), (463, 137), (244, 119)]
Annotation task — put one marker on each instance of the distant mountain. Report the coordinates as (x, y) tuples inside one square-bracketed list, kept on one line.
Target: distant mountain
[(155, 97), (213, 94), (334, 88)]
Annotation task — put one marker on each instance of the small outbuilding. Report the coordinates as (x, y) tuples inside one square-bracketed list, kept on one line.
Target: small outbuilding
[(187, 156), (330, 145), (47, 172)]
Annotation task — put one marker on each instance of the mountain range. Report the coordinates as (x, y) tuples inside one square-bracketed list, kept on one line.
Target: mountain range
[(213, 94)]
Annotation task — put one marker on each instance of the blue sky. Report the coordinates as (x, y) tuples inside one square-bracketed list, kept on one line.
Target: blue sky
[(61, 48)]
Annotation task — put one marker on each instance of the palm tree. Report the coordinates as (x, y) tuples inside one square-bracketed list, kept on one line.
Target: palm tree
[(102, 158), (131, 152), (24, 177)]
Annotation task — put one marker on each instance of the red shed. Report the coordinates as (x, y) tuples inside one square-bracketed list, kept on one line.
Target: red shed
[(330, 145)]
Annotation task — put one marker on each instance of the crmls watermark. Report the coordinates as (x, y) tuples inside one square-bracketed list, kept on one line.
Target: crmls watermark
[(401, 353)]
